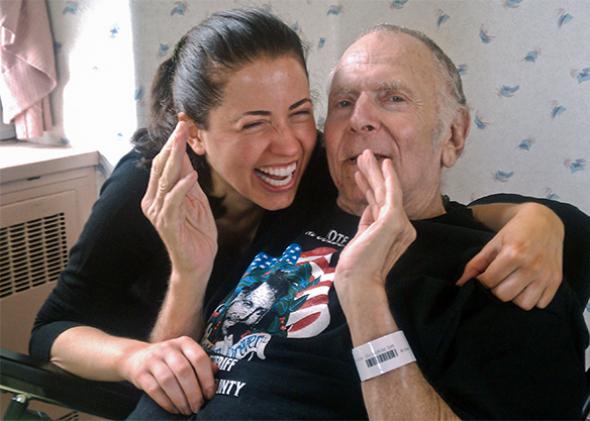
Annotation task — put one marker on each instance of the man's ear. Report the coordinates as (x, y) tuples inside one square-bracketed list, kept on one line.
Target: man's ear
[(195, 135), (453, 146)]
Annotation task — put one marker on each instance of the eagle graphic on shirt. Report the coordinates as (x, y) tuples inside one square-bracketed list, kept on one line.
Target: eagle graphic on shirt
[(286, 296)]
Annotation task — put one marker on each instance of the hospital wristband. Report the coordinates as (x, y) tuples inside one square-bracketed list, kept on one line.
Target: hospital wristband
[(381, 355)]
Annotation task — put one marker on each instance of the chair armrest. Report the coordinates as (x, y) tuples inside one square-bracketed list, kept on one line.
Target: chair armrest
[(22, 374)]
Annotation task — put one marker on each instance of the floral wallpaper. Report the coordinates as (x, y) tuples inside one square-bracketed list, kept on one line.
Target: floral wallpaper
[(525, 66)]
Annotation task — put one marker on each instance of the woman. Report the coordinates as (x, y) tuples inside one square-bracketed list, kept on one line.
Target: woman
[(250, 139)]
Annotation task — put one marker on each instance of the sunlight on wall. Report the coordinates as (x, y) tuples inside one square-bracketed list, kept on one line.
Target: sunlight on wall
[(98, 99)]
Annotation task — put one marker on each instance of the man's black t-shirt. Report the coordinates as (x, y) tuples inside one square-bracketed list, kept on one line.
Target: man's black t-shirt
[(283, 347)]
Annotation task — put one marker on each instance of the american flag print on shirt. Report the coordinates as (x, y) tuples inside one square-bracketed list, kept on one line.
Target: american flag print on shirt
[(285, 296), (313, 317)]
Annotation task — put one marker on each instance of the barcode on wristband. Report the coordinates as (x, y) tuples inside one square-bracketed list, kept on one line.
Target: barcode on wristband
[(392, 353)]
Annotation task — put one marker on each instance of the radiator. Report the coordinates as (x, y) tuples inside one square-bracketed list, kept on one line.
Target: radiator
[(43, 206), (45, 198)]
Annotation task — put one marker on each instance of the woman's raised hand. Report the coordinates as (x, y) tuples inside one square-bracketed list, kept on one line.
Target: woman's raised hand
[(179, 209)]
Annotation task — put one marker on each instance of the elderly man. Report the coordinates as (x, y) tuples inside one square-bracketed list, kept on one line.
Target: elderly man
[(396, 117), (395, 93)]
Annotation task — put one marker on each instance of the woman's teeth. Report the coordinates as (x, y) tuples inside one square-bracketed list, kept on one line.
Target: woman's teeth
[(277, 176)]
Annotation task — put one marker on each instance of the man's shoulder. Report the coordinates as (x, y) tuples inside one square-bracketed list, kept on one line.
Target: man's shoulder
[(463, 336), (443, 245)]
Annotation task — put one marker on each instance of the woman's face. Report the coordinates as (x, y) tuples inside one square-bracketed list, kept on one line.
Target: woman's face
[(260, 138)]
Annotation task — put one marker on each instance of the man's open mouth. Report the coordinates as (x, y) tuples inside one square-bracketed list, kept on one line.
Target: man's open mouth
[(277, 176)]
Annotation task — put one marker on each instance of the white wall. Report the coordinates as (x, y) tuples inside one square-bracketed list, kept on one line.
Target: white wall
[(536, 139)]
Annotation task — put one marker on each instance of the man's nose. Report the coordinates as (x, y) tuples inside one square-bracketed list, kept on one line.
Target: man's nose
[(364, 116)]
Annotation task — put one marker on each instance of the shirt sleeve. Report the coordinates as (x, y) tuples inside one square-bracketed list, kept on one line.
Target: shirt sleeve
[(576, 243), (116, 244), (491, 360)]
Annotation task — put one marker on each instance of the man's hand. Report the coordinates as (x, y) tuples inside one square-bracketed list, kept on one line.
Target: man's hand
[(177, 374), (384, 232), (523, 262)]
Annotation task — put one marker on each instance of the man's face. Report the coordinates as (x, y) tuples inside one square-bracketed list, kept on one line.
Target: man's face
[(383, 97)]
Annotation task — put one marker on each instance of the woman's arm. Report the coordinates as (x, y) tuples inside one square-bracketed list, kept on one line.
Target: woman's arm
[(96, 320), (576, 246), (152, 367), (179, 210), (523, 262)]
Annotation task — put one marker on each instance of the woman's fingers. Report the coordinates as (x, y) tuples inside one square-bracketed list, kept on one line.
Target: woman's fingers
[(509, 288), (172, 202), (549, 293), (172, 168), (158, 165), (184, 374), (478, 263), (204, 367), (188, 384), (150, 385), (500, 268), (530, 296), (168, 382)]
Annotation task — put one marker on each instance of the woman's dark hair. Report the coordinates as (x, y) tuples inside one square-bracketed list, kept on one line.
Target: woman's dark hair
[(193, 79)]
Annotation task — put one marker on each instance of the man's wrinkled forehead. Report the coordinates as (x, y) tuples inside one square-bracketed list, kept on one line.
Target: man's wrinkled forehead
[(379, 49), (373, 48)]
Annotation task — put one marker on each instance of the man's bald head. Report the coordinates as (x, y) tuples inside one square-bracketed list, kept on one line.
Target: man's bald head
[(451, 98)]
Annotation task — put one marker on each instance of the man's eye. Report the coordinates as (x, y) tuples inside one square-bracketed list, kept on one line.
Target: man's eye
[(343, 103), (396, 98)]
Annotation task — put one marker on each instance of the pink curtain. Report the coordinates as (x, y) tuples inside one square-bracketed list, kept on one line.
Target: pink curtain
[(27, 66)]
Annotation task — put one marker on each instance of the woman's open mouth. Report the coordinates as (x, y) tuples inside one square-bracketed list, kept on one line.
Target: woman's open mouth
[(277, 176)]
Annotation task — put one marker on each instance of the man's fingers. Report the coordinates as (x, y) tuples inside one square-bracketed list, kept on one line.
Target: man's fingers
[(394, 193), (368, 165), (363, 185)]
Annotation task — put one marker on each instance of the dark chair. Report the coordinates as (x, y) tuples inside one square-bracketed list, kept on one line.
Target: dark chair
[(586, 407), (29, 379)]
